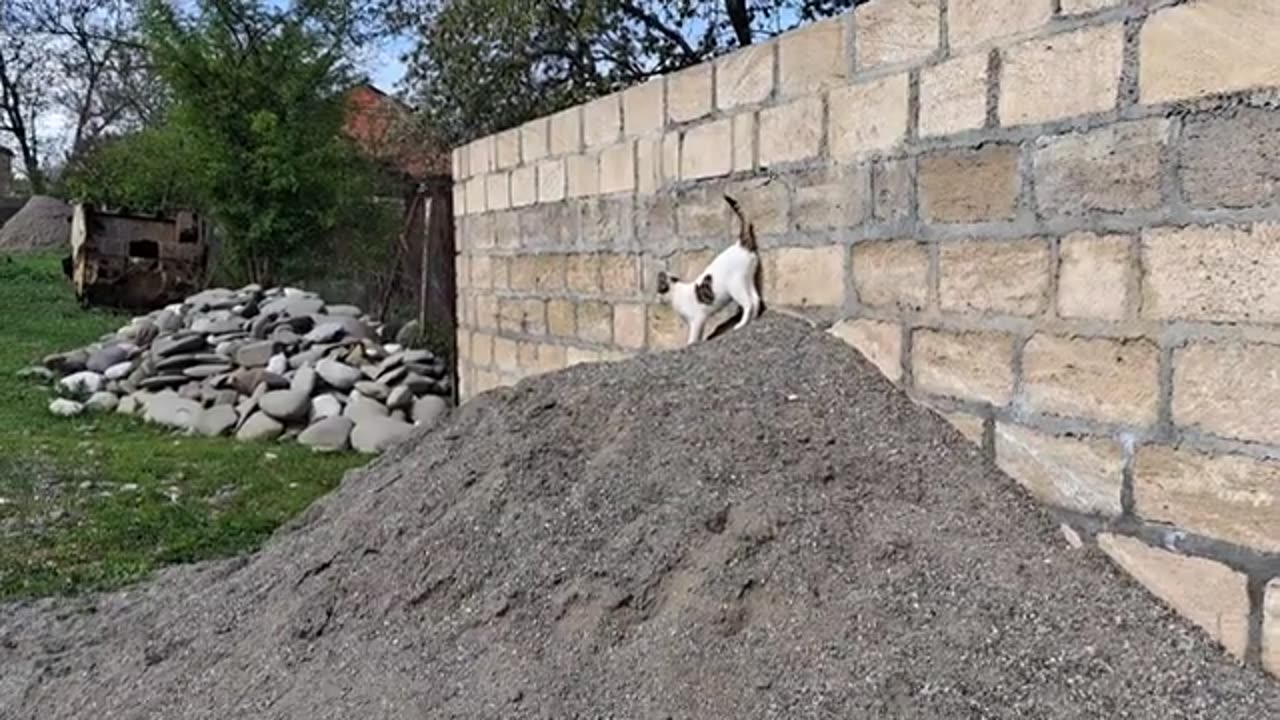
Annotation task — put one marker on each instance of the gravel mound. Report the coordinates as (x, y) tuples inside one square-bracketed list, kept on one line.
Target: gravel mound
[(759, 527), (42, 225)]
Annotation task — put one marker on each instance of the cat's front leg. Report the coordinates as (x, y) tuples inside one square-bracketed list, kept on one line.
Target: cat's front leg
[(695, 328)]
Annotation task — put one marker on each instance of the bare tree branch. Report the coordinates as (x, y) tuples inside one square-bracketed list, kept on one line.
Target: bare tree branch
[(740, 20), (23, 79), (95, 72), (653, 23)]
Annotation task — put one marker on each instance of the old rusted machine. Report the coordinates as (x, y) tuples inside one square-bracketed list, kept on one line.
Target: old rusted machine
[(137, 262)]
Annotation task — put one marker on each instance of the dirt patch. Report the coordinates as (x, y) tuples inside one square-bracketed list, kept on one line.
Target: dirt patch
[(761, 527), (42, 225)]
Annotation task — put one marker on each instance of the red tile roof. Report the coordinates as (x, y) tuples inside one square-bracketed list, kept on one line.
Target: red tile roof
[(383, 127)]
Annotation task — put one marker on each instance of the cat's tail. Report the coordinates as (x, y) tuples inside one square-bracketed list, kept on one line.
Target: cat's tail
[(747, 235)]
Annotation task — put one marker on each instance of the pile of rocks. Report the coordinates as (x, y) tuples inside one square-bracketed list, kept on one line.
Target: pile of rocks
[(259, 364)]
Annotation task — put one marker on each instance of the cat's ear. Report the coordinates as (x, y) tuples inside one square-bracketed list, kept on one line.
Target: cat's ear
[(664, 282)]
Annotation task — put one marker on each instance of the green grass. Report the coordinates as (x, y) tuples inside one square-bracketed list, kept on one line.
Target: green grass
[(99, 501)]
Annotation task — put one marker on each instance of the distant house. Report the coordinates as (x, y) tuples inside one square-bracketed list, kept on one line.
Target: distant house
[(385, 128), (416, 177)]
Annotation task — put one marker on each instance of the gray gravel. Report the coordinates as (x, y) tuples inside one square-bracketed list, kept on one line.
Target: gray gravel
[(43, 224), (760, 527)]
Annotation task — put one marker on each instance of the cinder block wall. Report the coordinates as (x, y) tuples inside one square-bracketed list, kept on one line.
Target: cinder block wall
[(1057, 222)]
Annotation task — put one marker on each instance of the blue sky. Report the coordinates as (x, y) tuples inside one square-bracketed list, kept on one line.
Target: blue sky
[(383, 65)]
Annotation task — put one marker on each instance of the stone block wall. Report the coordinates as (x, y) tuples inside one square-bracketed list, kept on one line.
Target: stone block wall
[(1056, 222)]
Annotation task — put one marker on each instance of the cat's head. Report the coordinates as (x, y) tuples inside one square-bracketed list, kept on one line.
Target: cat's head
[(665, 282)]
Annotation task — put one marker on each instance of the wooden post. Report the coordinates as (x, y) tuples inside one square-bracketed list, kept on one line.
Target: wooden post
[(423, 282)]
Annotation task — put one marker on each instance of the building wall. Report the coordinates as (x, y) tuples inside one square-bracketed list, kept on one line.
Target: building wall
[(6, 173), (1055, 222)]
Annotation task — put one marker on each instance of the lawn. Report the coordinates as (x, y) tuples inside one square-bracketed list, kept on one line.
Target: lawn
[(102, 500)]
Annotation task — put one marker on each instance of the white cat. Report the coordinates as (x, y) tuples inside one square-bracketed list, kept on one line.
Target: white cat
[(730, 276)]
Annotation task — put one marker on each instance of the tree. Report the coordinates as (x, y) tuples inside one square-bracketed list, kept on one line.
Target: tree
[(77, 65), (257, 94), (103, 84), (479, 66), (25, 73)]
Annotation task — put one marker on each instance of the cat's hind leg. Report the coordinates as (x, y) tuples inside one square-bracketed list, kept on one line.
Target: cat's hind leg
[(741, 294)]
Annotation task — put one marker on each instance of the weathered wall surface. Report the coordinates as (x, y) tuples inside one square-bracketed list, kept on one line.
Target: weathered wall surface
[(1057, 222), (6, 172)]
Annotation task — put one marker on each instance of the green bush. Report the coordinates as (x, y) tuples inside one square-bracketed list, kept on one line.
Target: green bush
[(152, 170)]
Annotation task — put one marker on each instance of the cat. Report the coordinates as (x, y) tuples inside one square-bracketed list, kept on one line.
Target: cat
[(731, 276)]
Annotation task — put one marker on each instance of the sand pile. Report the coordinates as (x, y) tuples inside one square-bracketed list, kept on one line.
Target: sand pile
[(760, 527), (42, 225)]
